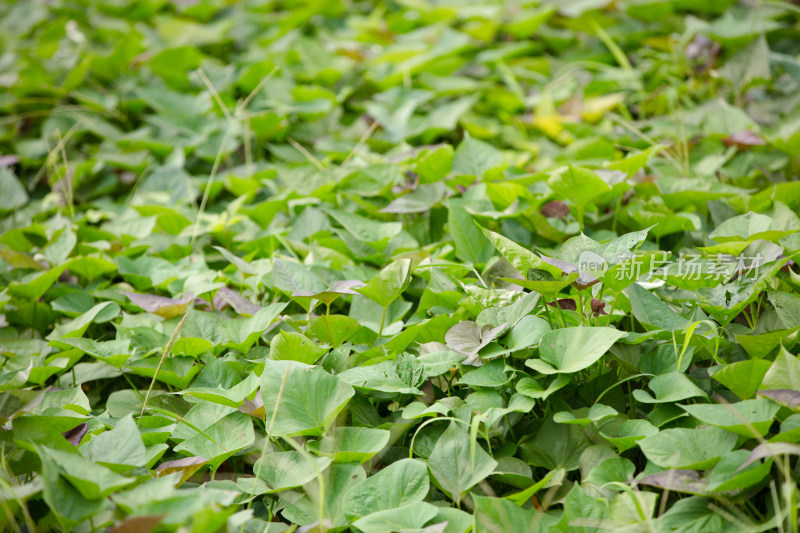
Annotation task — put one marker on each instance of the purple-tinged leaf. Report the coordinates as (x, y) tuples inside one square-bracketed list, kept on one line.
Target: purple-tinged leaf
[(563, 266), (314, 527), (8, 160), (786, 397), (240, 304), (679, 480), (160, 305), (770, 449), (138, 524), (254, 407)]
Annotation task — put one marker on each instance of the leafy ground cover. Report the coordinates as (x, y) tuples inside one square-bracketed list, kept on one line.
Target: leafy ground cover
[(403, 266)]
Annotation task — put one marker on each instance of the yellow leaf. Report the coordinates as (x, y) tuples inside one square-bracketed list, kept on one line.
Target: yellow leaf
[(661, 42), (594, 108)]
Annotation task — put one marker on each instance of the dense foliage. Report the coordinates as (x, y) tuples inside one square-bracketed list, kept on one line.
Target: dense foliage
[(419, 265)]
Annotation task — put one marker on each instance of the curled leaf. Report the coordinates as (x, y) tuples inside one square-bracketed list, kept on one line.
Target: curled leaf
[(336, 289), (598, 307), (75, 434), (743, 139), (254, 407), (585, 279), (555, 209), (467, 338), (186, 466), (565, 303), (702, 47)]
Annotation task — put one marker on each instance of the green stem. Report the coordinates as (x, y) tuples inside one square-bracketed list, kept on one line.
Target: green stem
[(560, 313), (616, 211), (549, 318), (383, 320), (167, 348), (510, 429)]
